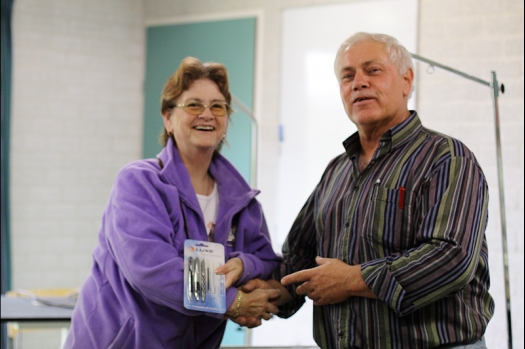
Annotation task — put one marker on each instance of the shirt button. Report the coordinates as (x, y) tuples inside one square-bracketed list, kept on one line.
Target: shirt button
[(347, 224), (340, 334)]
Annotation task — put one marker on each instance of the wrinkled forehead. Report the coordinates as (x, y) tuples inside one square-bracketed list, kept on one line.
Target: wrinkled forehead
[(202, 89), (363, 53)]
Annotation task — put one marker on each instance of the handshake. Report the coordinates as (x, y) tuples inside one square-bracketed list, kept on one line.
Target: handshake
[(257, 300), (332, 281)]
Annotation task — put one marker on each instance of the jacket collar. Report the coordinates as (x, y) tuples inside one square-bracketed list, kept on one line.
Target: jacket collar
[(231, 185)]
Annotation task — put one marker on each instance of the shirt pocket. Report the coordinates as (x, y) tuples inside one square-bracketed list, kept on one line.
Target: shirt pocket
[(388, 224)]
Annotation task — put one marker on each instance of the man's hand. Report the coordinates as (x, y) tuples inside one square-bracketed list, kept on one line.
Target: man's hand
[(333, 281), (254, 284)]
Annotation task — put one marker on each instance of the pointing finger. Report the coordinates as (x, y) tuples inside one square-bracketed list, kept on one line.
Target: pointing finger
[(300, 276), (320, 260)]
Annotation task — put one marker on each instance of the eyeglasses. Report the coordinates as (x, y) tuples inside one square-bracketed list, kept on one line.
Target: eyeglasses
[(196, 108)]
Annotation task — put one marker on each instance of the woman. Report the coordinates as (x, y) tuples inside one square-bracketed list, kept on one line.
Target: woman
[(134, 296)]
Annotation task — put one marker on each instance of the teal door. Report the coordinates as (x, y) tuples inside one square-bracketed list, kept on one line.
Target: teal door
[(230, 42)]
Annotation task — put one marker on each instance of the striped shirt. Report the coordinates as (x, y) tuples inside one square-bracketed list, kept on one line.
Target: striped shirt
[(415, 220)]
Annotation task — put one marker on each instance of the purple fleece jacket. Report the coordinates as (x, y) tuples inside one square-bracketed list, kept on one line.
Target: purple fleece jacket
[(133, 297)]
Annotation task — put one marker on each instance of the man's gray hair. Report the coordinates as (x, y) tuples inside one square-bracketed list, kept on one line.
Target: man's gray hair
[(399, 56)]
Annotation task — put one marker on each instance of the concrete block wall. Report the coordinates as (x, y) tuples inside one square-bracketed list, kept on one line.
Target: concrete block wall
[(78, 70), (478, 37), (77, 107)]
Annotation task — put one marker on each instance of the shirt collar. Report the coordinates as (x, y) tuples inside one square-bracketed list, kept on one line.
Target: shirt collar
[(391, 139)]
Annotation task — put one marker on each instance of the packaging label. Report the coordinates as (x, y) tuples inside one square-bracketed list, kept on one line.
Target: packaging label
[(203, 289)]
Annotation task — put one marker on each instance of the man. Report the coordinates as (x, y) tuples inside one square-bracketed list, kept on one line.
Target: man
[(390, 246)]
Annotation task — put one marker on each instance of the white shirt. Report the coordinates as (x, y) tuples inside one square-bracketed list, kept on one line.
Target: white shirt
[(209, 206)]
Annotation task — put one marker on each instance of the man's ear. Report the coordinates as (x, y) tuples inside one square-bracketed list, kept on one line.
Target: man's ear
[(408, 79)]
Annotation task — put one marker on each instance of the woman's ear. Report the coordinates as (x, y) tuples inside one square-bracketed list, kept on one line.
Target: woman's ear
[(166, 118)]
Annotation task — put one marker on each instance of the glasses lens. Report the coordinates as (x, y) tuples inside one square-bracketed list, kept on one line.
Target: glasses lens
[(218, 109), (194, 108)]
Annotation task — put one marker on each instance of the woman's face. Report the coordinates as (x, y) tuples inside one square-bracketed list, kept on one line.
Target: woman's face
[(202, 132)]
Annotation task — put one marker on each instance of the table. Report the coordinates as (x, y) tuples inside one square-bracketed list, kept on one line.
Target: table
[(29, 313), (26, 310), (21, 309)]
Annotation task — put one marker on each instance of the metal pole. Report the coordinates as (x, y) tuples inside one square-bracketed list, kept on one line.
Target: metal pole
[(253, 164), (495, 93), (452, 70)]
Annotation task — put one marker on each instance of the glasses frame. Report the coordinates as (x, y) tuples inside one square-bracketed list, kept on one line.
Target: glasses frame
[(204, 106)]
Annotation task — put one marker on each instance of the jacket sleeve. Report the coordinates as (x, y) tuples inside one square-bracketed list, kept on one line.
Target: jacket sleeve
[(145, 236)]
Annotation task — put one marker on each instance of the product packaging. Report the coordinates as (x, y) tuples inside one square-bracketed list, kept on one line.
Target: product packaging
[(203, 289)]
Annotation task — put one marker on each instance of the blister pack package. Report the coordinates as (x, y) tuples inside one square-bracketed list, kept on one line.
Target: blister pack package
[(203, 289)]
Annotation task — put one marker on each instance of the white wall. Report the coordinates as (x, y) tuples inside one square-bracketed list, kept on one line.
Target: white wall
[(77, 118)]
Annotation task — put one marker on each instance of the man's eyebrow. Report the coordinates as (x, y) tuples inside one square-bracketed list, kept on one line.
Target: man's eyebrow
[(372, 61), (345, 69), (364, 64)]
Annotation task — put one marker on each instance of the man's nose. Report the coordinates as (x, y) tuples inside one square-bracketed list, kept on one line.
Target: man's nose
[(360, 81)]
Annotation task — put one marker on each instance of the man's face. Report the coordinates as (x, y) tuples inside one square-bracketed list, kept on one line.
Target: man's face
[(374, 94)]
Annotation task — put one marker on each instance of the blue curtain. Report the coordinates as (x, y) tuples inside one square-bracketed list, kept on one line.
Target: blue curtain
[(5, 41)]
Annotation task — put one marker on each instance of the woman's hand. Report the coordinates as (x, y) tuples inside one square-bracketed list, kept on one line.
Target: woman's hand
[(258, 304), (252, 285), (232, 270)]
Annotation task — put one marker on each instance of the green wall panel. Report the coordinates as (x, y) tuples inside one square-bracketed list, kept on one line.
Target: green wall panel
[(230, 42)]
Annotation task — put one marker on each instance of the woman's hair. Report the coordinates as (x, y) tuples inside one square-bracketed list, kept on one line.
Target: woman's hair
[(399, 56), (190, 70)]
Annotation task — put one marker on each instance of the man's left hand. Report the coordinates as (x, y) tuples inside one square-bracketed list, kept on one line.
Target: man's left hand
[(333, 281)]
